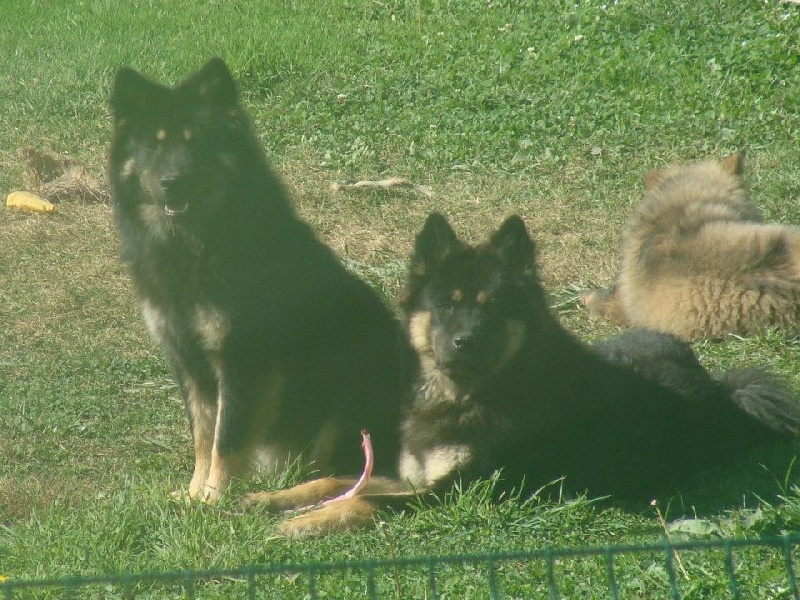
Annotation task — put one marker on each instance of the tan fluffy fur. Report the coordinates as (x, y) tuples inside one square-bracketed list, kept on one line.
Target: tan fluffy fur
[(698, 261)]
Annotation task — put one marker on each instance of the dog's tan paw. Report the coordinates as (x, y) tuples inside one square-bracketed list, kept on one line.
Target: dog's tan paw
[(263, 500)]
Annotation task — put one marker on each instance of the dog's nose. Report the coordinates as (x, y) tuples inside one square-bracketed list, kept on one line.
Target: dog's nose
[(462, 342)]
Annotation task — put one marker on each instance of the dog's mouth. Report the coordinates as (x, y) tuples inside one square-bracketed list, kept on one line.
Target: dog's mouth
[(462, 371), (176, 210)]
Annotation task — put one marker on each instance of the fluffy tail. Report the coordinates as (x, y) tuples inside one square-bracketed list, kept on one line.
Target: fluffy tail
[(765, 398)]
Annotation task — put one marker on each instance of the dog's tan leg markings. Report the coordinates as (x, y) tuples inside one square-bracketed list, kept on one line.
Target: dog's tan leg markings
[(203, 421), (224, 467), (220, 468)]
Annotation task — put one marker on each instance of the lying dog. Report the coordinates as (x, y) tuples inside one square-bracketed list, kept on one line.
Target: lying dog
[(697, 260), (503, 386)]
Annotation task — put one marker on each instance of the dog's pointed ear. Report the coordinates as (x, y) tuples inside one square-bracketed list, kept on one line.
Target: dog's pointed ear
[(132, 93), (213, 83), (733, 164), (436, 240), (513, 244)]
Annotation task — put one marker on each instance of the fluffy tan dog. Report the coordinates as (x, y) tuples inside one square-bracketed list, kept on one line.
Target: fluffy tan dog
[(699, 262)]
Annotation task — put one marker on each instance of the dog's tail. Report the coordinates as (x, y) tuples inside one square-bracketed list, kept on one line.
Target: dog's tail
[(765, 398)]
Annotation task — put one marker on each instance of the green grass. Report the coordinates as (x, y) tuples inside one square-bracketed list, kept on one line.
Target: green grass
[(549, 109)]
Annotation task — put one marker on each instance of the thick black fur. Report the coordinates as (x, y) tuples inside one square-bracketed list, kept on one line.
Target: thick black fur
[(270, 339), (503, 385)]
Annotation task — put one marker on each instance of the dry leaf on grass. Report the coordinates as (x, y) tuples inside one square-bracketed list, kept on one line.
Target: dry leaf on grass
[(59, 178), (385, 184)]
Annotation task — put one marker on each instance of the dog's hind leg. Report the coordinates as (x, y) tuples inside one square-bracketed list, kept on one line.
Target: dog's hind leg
[(302, 495), (357, 512), (340, 514)]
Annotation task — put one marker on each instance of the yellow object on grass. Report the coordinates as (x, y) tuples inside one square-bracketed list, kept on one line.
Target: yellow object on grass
[(28, 201)]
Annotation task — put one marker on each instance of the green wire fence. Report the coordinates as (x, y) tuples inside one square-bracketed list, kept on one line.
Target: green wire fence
[(379, 578)]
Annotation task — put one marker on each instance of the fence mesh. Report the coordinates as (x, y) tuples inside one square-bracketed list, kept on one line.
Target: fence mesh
[(628, 571)]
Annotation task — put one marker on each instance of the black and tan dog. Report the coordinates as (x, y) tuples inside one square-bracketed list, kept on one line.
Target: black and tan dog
[(270, 339), (503, 386), (698, 261)]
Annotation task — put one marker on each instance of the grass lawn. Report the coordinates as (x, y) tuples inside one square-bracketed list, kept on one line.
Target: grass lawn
[(549, 109)]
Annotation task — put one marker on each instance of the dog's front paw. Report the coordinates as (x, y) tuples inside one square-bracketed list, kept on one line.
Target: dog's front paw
[(268, 501)]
